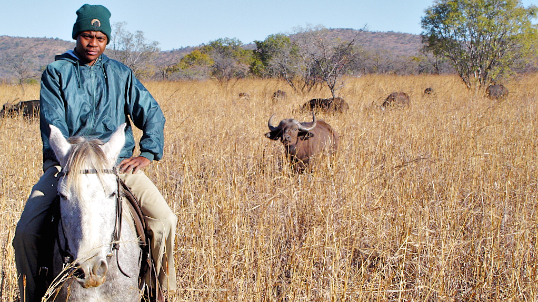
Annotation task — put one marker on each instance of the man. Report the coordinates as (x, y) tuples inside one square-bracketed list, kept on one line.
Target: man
[(87, 94)]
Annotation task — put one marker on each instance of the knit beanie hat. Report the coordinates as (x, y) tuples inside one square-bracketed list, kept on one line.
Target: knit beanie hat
[(92, 18)]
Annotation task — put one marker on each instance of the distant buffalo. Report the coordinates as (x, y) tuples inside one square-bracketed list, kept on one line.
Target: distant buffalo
[(396, 99), (428, 91), (244, 95), (303, 140), (336, 104), (497, 92), (279, 95), (28, 109)]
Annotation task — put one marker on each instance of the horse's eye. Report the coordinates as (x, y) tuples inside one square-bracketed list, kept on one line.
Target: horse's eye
[(112, 195), (62, 196)]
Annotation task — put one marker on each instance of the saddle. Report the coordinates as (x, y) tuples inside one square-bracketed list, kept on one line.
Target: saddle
[(147, 266), (140, 226)]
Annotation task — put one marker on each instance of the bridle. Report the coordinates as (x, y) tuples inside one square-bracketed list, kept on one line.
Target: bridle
[(65, 253)]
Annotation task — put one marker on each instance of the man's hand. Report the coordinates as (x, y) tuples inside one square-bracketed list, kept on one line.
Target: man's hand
[(133, 164)]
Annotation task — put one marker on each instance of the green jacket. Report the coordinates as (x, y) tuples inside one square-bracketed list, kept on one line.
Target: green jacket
[(93, 101)]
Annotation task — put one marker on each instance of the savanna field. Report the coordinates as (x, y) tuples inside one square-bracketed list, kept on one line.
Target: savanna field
[(434, 202)]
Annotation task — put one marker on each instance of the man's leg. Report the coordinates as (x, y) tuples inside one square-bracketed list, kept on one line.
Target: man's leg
[(29, 234), (161, 222)]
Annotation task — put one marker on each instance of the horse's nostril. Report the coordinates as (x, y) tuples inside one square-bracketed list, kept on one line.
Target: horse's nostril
[(79, 273), (100, 268)]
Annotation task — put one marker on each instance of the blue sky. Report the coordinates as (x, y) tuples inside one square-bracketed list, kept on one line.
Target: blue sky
[(176, 24)]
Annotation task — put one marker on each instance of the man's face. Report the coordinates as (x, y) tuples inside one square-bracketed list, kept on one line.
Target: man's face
[(90, 45)]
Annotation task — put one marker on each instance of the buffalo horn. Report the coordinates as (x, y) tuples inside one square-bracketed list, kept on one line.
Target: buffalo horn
[(271, 127), (302, 128)]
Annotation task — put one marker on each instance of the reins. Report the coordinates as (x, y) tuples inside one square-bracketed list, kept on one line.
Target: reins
[(91, 171)]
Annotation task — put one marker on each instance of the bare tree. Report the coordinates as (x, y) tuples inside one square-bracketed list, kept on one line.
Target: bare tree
[(333, 63), (23, 66), (134, 51), (314, 59)]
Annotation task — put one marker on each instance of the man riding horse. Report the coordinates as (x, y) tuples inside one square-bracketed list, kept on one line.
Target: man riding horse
[(85, 93)]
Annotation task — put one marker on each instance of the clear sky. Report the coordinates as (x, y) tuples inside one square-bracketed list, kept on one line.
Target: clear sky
[(178, 23)]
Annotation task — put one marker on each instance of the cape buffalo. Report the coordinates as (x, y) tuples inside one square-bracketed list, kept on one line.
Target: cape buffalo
[(428, 91), (336, 104), (496, 92), (26, 108), (279, 95), (303, 141), (396, 99), (244, 95)]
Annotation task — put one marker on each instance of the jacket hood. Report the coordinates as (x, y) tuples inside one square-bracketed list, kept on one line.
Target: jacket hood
[(71, 56)]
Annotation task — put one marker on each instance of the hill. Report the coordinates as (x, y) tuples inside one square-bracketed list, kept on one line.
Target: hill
[(28, 56), (399, 44)]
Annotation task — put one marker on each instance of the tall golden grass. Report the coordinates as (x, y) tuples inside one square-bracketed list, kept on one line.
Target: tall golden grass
[(434, 202)]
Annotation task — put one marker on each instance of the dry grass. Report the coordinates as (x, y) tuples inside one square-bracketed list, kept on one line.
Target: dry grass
[(435, 202)]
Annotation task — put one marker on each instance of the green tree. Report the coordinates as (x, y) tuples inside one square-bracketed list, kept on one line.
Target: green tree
[(195, 58), (265, 51), (224, 59), (483, 39), (230, 59), (194, 65)]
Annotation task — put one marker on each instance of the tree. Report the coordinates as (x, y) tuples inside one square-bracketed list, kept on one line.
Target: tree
[(194, 65), (265, 51), (312, 59), (23, 65), (482, 38), (230, 60), (223, 59), (334, 62), (133, 50)]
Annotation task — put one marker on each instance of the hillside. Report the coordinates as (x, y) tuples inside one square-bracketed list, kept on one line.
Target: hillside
[(30, 55), (396, 43)]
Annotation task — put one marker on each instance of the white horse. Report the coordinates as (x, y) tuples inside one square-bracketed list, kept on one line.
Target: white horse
[(88, 263)]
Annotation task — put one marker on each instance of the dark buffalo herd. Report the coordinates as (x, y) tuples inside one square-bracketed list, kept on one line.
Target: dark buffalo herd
[(303, 141), (336, 104), (28, 109), (497, 92)]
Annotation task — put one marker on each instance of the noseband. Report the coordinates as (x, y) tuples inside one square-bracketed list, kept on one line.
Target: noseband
[(67, 255)]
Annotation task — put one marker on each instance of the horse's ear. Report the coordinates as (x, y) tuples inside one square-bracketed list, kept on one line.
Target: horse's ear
[(59, 144), (115, 144)]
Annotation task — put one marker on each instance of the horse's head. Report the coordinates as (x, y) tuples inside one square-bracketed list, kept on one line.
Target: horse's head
[(88, 192)]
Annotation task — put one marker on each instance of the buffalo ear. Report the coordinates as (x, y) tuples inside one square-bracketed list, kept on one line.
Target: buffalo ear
[(305, 135), (272, 135)]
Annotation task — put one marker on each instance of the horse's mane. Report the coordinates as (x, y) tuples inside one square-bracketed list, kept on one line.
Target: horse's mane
[(86, 154)]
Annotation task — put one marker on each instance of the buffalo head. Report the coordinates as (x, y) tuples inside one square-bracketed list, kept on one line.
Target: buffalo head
[(303, 140)]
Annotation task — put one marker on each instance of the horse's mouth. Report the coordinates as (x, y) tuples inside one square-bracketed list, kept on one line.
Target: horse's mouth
[(92, 275), (92, 281)]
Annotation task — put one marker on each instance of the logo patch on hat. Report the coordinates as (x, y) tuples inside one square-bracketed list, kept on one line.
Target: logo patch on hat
[(96, 23)]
